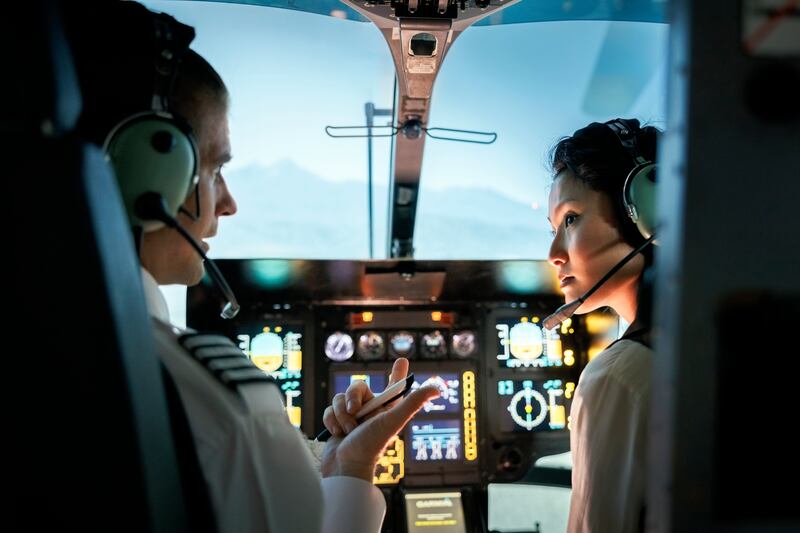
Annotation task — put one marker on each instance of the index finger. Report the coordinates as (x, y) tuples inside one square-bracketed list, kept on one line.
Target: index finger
[(399, 370), (396, 418)]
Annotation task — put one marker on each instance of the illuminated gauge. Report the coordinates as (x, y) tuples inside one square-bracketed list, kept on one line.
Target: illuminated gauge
[(401, 344), (266, 351), (433, 345), (526, 341), (339, 346), (528, 408), (439, 383), (465, 344), (371, 346)]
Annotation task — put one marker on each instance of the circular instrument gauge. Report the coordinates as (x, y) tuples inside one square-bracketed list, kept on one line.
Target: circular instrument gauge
[(527, 342), (465, 344), (401, 344), (528, 408), (339, 346), (266, 351), (433, 345), (371, 346)]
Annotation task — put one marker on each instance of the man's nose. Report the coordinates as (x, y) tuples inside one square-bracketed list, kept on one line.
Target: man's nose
[(226, 206)]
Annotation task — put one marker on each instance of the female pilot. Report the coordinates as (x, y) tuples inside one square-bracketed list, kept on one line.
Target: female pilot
[(592, 232)]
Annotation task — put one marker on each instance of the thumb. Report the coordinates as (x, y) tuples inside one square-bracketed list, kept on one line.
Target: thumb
[(398, 416)]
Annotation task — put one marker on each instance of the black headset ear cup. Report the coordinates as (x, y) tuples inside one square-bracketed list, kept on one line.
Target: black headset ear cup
[(154, 152), (639, 198)]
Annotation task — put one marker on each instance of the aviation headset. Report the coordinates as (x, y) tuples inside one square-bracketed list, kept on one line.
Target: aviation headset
[(154, 151), (639, 188)]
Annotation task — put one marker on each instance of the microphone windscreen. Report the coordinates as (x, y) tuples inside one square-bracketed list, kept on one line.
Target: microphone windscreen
[(561, 314)]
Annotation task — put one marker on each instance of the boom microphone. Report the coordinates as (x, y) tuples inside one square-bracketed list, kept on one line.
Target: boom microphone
[(567, 310), (152, 206)]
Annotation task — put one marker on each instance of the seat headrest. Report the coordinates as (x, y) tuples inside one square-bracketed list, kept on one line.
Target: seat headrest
[(43, 92)]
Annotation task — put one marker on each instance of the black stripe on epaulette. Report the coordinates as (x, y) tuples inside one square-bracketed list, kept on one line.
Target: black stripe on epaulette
[(223, 359), (240, 376), (215, 352), (190, 341)]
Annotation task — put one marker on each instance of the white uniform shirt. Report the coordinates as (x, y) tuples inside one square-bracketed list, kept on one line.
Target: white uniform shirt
[(608, 438), (259, 472)]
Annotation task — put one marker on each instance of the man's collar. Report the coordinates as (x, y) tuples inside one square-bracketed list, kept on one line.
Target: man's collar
[(156, 304)]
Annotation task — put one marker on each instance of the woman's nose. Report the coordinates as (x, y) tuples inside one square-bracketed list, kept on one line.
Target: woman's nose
[(557, 255)]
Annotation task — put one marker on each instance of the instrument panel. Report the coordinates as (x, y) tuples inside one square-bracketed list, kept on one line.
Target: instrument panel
[(506, 384), (439, 445)]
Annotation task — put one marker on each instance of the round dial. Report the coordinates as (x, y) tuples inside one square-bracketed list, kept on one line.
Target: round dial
[(339, 346), (401, 344), (266, 351), (465, 344), (371, 346), (433, 345), (527, 342), (528, 408)]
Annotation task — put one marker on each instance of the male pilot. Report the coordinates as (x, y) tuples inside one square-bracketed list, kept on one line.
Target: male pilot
[(259, 473)]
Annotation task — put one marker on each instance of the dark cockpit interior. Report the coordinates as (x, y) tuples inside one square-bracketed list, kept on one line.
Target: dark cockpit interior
[(99, 440)]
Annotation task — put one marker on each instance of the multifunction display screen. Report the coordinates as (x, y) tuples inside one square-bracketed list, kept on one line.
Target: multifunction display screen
[(528, 405), (435, 440), (522, 343), (449, 385), (277, 349), (435, 512)]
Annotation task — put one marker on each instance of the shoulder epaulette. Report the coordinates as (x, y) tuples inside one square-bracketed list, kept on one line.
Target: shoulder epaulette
[(220, 356)]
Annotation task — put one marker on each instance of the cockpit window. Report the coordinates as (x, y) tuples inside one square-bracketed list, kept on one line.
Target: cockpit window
[(301, 193), (292, 72), (531, 84)]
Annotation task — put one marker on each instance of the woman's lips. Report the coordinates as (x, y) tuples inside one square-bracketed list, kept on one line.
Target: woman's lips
[(566, 281)]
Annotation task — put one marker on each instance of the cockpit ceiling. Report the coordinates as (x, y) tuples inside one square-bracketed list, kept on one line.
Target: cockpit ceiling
[(525, 11)]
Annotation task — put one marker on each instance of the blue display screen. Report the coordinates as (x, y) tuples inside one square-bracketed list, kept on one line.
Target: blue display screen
[(449, 400), (435, 440)]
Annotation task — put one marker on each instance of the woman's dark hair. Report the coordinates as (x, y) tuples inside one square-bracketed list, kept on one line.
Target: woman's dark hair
[(596, 157)]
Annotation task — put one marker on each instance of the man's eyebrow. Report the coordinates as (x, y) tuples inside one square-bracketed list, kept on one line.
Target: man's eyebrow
[(223, 158)]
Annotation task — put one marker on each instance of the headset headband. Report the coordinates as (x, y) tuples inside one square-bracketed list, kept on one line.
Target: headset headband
[(626, 133), (154, 151), (171, 41)]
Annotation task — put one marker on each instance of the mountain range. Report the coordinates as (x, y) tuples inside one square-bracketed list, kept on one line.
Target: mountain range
[(287, 211)]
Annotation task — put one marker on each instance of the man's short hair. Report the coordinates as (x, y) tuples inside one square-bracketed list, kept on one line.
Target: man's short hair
[(196, 85)]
